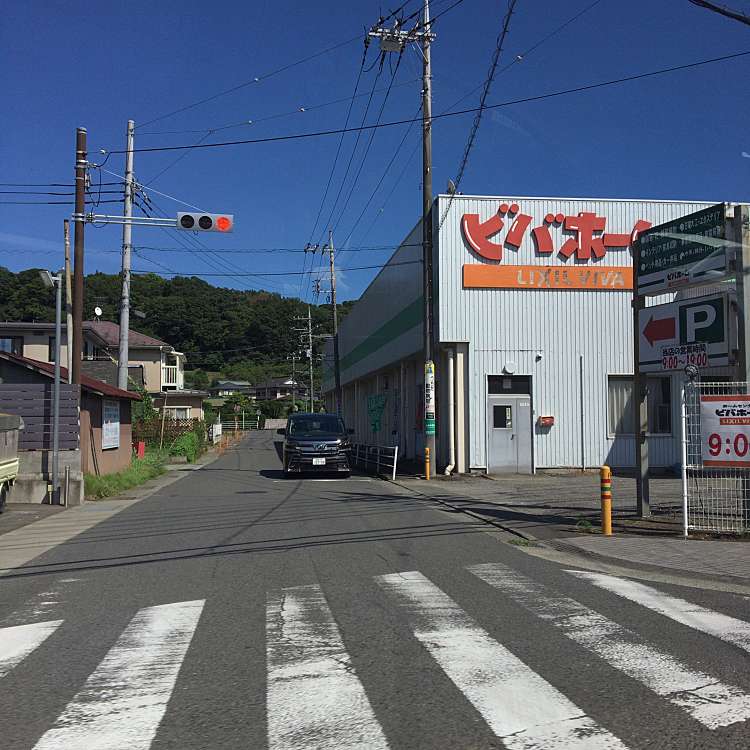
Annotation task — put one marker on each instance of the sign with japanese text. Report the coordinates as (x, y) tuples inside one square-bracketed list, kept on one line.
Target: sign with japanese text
[(725, 430), (375, 409), (685, 252), (547, 277), (578, 241), (687, 332), (429, 398), (110, 424)]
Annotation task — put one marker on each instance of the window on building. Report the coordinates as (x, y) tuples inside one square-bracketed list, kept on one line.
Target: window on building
[(178, 412), (502, 417), (12, 344), (621, 405)]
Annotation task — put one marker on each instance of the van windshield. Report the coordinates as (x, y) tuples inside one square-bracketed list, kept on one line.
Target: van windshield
[(323, 424)]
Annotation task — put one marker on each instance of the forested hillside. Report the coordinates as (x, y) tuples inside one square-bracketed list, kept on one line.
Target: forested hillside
[(239, 333)]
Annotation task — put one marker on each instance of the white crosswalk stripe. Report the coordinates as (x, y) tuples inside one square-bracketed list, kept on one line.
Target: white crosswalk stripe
[(314, 698), (17, 642), (729, 629), (522, 708), (122, 702), (705, 698)]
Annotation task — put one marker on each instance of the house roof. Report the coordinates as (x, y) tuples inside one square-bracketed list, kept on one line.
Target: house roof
[(278, 381), (227, 383), (87, 383), (109, 332), (106, 331)]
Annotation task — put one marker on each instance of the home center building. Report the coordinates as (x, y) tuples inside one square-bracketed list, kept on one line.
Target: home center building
[(533, 338)]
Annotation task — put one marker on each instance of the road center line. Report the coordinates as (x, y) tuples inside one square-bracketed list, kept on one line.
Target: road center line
[(522, 708)]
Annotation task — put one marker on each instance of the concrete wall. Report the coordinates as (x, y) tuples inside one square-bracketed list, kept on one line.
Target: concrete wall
[(35, 472), (95, 460)]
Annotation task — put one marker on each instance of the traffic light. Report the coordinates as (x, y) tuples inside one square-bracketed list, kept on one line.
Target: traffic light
[(200, 222)]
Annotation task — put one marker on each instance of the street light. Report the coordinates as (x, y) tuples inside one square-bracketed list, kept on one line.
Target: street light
[(49, 280)]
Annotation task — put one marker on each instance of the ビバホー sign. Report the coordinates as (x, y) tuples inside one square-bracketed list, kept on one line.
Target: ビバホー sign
[(688, 251), (725, 430), (687, 332)]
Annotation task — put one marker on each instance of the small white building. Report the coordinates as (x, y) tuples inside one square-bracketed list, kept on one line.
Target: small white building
[(532, 303)]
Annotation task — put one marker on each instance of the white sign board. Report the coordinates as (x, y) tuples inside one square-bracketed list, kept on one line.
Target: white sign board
[(688, 332), (725, 430), (110, 424)]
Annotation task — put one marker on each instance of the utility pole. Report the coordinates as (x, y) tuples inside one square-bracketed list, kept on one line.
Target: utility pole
[(68, 302), (335, 320), (127, 231), (394, 40), (80, 207), (429, 367), (310, 357), (293, 358)]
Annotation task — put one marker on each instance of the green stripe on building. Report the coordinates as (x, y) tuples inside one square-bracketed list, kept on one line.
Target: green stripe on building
[(399, 324)]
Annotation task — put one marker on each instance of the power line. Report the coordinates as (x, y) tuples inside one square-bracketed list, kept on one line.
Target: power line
[(291, 273), (722, 10), (482, 103), (47, 184), (471, 110), (256, 79), (253, 250), (303, 109)]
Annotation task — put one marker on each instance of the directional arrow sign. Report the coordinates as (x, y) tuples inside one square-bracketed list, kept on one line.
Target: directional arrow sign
[(660, 330), (690, 331)]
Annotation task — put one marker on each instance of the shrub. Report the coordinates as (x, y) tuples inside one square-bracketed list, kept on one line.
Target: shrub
[(188, 445), (139, 471)]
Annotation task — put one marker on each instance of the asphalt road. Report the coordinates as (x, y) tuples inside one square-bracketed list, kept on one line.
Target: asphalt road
[(236, 609)]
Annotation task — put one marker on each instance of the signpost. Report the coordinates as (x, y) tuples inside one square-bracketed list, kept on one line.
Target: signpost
[(687, 332), (688, 251)]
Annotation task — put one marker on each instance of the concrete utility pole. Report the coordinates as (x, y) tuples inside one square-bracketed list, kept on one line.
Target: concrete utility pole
[(68, 302), (335, 320), (127, 231), (394, 40), (293, 358), (81, 164), (310, 357), (429, 417)]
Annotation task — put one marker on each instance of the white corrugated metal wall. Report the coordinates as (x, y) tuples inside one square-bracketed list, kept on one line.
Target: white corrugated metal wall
[(544, 332)]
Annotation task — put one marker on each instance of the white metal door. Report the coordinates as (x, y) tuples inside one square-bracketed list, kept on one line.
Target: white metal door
[(509, 433)]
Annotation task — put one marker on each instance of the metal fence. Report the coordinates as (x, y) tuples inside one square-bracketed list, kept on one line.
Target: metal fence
[(376, 459), (716, 457)]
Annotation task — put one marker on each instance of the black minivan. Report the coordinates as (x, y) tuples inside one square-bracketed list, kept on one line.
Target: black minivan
[(316, 443)]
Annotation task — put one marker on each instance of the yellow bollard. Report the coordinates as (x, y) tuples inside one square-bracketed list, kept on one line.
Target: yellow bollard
[(605, 475), (427, 464)]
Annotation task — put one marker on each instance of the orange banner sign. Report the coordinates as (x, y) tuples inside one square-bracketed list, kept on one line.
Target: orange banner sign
[(602, 278)]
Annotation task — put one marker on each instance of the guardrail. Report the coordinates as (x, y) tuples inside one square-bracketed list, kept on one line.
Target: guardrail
[(378, 459)]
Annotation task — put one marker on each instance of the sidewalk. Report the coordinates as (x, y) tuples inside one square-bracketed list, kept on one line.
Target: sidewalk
[(552, 507)]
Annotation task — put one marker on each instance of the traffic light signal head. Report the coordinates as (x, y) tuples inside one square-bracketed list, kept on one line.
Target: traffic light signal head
[(200, 222)]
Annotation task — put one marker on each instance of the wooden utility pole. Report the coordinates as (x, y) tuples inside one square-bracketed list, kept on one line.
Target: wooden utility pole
[(80, 218), (335, 321)]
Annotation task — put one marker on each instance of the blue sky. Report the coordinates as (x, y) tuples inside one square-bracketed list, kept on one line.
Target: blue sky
[(676, 136)]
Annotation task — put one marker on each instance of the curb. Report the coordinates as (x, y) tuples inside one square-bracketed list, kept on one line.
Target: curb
[(571, 549), (478, 516)]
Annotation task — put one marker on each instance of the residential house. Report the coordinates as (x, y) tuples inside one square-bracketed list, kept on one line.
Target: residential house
[(95, 426), (278, 388), (232, 387), (162, 367)]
